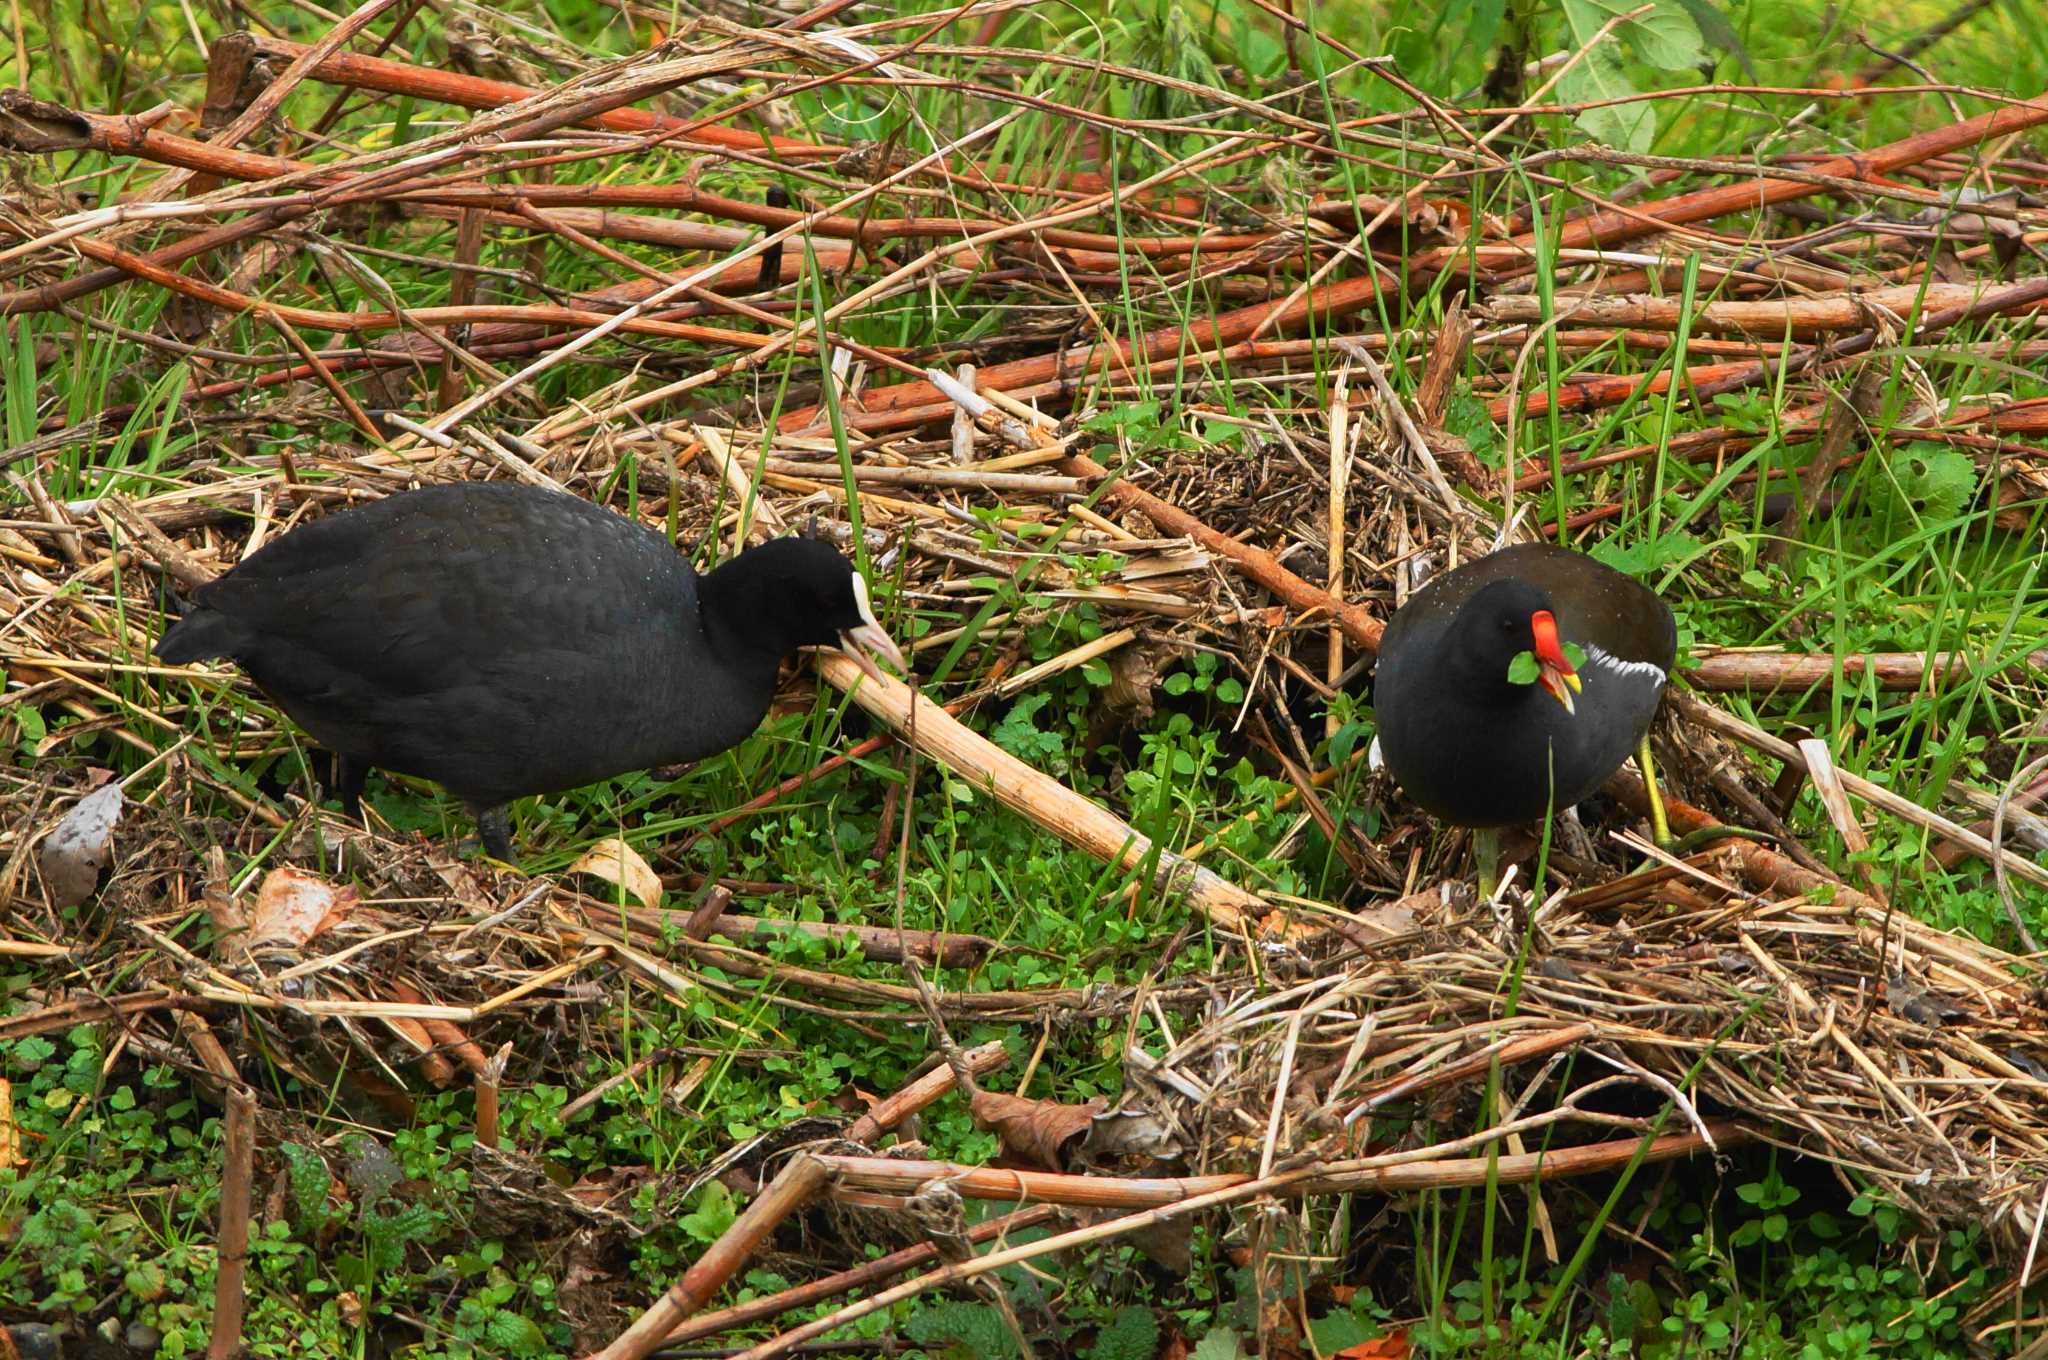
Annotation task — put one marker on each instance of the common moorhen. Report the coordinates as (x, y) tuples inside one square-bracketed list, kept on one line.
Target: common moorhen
[(1484, 736), (505, 640)]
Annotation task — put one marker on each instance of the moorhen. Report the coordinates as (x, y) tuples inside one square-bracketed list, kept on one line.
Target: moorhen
[(506, 640), (1516, 684)]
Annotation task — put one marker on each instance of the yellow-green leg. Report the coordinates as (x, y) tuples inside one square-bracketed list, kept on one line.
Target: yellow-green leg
[(1660, 825), (1486, 854)]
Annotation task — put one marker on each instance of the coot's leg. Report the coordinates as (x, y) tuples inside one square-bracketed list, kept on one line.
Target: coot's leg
[(349, 778), (496, 829)]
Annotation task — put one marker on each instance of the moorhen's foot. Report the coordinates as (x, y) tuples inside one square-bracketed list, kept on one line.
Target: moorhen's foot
[(1707, 835), (1573, 837)]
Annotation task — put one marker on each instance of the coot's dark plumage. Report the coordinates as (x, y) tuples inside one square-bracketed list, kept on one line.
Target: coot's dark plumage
[(505, 640), (1479, 750)]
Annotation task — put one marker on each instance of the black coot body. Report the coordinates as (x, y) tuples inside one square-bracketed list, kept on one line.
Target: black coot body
[(508, 640), (1477, 750)]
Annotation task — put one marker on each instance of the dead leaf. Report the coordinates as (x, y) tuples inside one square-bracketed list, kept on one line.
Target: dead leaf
[(1170, 1244), (10, 1135), (1036, 1131), (1396, 918), (73, 855), (293, 906), (1392, 1346), (1124, 1134), (1923, 1007), (620, 864)]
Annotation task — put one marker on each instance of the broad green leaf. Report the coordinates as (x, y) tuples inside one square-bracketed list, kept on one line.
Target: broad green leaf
[(1524, 669), (1668, 37), (1718, 32), (1220, 1344), (1626, 127)]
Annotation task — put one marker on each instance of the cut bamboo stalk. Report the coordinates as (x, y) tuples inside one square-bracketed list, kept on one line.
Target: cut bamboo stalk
[(894, 1109), (1464, 1171), (1729, 725), (1340, 481), (879, 944), (1802, 318), (1763, 673), (847, 1281), (1611, 226), (800, 1179), (1827, 782), (1035, 794), (907, 1176), (1065, 661), (238, 1137)]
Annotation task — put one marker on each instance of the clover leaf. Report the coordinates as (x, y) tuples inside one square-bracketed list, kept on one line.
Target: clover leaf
[(1524, 669)]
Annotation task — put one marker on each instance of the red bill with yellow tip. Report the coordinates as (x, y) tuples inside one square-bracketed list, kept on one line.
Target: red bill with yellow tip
[(1556, 676)]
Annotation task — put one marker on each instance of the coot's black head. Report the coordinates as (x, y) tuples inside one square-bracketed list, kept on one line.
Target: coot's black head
[(796, 592), (1497, 623)]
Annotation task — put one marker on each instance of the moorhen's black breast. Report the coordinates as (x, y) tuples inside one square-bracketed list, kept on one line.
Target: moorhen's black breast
[(501, 640), (1484, 755)]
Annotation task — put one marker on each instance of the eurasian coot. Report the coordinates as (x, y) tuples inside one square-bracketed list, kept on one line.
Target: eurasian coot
[(1484, 743), (506, 640)]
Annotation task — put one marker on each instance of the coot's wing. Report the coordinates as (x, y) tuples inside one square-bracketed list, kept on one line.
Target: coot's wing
[(442, 590)]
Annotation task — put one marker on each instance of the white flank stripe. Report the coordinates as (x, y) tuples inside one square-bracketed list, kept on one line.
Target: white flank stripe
[(1614, 663)]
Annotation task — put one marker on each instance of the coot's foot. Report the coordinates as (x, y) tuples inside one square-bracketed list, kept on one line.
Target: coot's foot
[(496, 829), (349, 778)]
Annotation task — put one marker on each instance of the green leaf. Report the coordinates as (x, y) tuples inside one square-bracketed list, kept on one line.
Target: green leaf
[(1574, 655), (1934, 482), (1220, 1344), (712, 1216), (1345, 741), (1718, 32), (1263, 55), (1524, 669), (510, 1334), (1644, 556), (1668, 37), (1626, 127), (957, 1327), (1133, 1334), (1340, 1331)]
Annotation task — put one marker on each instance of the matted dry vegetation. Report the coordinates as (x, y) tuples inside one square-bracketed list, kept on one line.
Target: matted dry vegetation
[(1741, 992)]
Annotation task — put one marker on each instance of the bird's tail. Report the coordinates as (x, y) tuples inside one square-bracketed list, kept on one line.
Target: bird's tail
[(200, 634)]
